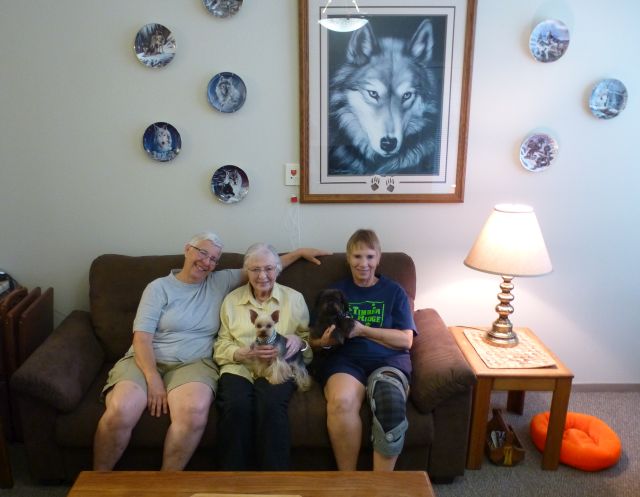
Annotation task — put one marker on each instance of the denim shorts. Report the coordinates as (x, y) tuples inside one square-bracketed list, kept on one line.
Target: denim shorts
[(359, 368)]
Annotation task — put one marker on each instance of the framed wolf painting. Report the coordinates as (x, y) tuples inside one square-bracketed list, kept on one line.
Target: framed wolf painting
[(384, 108)]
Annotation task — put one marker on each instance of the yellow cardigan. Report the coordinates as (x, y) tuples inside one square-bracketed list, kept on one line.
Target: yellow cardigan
[(236, 328)]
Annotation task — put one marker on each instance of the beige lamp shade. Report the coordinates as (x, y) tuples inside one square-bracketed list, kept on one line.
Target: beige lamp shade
[(510, 243)]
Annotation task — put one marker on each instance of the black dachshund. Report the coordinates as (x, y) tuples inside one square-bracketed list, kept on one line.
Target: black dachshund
[(332, 308)]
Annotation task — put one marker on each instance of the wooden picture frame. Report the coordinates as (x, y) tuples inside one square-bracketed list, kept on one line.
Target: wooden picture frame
[(370, 133)]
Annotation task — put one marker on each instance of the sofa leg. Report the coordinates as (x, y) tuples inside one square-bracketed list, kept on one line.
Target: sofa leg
[(442, 480)]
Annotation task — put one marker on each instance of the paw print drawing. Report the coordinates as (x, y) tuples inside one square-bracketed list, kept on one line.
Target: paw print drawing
[(375, 183), (391, 184)]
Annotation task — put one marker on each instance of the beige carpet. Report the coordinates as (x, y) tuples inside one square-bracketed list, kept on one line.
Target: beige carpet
[(621, 411)]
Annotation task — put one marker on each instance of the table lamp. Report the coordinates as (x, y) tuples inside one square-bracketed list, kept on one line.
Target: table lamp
[(510, 244)]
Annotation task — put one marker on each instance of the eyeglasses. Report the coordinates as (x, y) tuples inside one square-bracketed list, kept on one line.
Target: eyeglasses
[(205, 255), (257, 270)]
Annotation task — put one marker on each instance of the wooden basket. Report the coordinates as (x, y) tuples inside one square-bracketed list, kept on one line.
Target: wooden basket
[(502, 444)]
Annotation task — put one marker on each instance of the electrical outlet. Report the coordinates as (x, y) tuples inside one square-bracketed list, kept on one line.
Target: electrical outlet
[(291, 174)]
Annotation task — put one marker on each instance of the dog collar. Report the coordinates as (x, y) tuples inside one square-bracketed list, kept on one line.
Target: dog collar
[(268, 341)]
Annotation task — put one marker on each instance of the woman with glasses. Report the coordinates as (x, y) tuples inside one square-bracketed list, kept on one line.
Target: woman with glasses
[(253, 423), (169, 367)]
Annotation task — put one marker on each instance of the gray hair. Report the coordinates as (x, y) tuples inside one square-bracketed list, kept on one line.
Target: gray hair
[(260, 249), (207, 235)]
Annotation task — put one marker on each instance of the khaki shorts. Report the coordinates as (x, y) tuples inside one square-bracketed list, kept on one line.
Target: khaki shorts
[(173, 374)]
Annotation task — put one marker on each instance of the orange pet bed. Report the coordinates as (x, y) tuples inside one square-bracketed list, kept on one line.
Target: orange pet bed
[(587, 443)]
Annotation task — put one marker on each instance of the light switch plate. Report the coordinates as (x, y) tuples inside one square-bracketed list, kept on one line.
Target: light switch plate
[(291, 174)]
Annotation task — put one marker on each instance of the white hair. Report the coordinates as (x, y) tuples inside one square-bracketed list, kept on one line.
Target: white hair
[(207, 235), (259, 249)]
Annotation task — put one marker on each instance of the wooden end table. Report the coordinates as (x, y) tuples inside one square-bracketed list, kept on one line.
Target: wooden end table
[(516, 381), (298, 483)]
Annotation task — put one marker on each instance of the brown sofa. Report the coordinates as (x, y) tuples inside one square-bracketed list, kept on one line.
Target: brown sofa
[(58, 386)]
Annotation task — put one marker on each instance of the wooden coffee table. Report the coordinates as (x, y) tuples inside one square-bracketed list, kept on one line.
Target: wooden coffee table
[(304, 484), (516, 381)]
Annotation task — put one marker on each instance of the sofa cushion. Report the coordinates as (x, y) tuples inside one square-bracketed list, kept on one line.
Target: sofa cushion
[(307, 415), (60, 371), (442, 373)]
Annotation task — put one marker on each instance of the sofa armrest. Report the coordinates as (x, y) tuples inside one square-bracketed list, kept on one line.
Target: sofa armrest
[(60, 371), (440, 371)]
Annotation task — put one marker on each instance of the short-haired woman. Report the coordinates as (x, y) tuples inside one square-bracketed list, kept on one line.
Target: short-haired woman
[(373, 363)]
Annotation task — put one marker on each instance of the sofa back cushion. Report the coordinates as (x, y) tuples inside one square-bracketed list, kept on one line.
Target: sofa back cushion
[(116, 283), (310, 279)]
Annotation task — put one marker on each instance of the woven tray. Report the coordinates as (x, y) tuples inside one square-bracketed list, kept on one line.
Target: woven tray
[(527, 354)]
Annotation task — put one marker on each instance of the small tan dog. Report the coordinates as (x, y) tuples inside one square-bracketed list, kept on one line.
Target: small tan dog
[(279, 370)]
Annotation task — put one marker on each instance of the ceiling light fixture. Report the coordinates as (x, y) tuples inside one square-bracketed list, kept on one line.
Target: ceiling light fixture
[(343, 24)]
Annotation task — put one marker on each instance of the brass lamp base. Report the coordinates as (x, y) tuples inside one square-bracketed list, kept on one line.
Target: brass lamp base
[(501, 338), (501, 333)]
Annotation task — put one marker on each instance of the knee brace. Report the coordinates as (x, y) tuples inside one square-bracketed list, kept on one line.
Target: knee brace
[(387, 390)]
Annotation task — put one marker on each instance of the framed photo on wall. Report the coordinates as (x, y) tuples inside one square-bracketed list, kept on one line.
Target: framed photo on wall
[(384, 108)]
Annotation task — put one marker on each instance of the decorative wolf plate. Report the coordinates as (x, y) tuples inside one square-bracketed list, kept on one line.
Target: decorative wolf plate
[(162, 141), (230, 184), (223, 8), (608, 99), (537, 152), (155, 46), (226, 92), (549, 40)]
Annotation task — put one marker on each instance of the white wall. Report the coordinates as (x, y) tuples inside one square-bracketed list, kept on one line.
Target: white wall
[(75, 181)]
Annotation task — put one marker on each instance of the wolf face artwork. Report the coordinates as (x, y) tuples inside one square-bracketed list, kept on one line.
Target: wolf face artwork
[(231, 184), (384, 105), (227, 94), (162, 139), (163, 148)]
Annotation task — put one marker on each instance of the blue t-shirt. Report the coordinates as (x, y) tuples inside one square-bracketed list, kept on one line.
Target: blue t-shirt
[(383, 305)]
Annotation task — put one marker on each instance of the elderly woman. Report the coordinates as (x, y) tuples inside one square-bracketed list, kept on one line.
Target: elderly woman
[(373, 362), (253, 427), (169, 368)]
